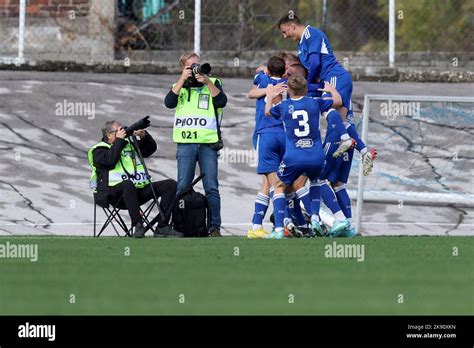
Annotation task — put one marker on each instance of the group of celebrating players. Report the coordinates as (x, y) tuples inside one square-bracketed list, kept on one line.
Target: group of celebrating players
[(292, 92)]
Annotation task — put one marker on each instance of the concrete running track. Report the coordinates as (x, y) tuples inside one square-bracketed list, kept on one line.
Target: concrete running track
[(44, 170)]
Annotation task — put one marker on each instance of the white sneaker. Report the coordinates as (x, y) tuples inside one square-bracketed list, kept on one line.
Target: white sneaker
[(343, 147), (368, 161)]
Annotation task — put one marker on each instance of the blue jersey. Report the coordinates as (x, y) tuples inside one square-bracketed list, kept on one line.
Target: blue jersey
[(315, 41), (301, 120), (264, 124)]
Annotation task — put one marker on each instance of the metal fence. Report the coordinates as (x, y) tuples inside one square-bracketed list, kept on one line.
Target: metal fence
[(249, 25), (352, 25), (79, 30)]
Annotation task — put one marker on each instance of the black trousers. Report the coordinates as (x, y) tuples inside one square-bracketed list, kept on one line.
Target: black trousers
[(134, 197)]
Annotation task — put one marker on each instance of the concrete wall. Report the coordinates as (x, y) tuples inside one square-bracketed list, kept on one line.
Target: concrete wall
[(409, 66), (435, 60)]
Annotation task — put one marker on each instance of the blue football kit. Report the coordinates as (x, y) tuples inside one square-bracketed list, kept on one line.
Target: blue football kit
[(269, 134), (304, 152)]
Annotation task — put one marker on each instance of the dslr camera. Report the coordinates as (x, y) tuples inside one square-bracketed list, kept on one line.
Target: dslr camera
[(140, 124), (197, 69), (201, 69)]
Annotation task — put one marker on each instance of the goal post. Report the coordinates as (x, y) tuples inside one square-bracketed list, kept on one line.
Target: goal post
[(21, 32), (423, 145)]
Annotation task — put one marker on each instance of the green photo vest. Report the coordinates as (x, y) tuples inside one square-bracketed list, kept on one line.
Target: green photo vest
[(195, 117), (127, 165)]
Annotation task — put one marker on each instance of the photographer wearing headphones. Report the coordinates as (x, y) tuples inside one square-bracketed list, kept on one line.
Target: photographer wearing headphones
[(198, 100), (117, 172)]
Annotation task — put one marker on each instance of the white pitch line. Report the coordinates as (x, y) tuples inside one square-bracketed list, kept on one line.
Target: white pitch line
[(415, 223), (239, 224)]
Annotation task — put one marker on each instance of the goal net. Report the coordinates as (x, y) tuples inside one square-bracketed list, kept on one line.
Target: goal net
[(425, 150)]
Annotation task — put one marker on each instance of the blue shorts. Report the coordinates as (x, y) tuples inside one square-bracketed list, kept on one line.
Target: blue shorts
[(289, 171), (270, 150), (343, 84), (336, 169)]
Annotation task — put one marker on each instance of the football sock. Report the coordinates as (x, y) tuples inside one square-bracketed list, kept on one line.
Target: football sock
[(279, 209), (295, 209), (261, 206), (360, 145), (330, 199), (334, 119), (344, 200), (303, 196), (315, 197)]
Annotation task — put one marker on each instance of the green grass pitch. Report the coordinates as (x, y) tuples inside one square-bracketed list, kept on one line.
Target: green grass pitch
[(290, 276)]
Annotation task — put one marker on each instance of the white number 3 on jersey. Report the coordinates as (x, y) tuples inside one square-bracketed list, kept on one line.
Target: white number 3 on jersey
[(303, 123)]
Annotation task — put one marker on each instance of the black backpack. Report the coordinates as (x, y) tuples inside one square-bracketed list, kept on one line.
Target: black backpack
[(191, 213)]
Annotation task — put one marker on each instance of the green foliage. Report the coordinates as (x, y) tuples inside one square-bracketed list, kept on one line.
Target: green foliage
[(433, 25)]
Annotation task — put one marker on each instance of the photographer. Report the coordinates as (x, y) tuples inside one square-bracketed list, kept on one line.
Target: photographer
[(119, 173), (198, 100)]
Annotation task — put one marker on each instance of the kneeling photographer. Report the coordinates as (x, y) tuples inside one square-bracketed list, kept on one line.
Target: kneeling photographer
[(118, 173), (198, 100)]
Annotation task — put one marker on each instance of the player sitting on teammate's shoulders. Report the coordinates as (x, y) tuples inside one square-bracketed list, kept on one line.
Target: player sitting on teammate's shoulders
[(316, 54), (303, 152), (268, 139)]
